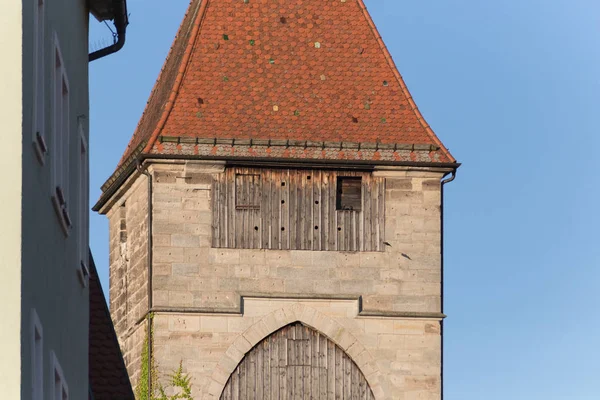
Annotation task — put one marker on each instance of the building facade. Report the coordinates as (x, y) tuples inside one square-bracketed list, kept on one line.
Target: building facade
[(275, 223), (44, 199)]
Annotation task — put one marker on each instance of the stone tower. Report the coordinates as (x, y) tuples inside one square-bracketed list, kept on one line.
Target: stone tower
[(276, 217)]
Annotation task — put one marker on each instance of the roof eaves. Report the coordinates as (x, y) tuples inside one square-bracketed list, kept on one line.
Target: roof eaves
[(403, 86), (155, 89), (180, 74), (104, 10), (122, 174)]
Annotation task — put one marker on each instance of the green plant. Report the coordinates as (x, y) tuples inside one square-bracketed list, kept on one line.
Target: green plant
[(141, 390), (179, 381)]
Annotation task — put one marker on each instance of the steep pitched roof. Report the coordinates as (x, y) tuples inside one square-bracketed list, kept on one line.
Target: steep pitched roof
[(107, 373), (309, 79)]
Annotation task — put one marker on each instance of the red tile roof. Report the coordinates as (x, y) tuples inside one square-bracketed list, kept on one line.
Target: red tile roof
[(107, 373), (268, 73)]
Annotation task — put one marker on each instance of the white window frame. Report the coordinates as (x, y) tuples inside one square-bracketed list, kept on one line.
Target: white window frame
[(60, 389), (83, 204), (37, 357), (60, 139), (39, 82)]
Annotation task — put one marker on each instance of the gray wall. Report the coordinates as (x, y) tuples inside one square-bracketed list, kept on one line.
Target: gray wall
[(50, 260)]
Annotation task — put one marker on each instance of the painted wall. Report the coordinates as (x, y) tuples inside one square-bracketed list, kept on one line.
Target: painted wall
[(10, 197), (50, 260)]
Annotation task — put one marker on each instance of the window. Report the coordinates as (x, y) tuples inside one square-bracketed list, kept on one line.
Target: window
[(37, 357), (349, 193), (60, 390), (83, 198), (39, 38), (60, 140), (247, 192)]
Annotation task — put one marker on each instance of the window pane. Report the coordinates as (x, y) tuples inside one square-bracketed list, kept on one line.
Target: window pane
[(349, 193)]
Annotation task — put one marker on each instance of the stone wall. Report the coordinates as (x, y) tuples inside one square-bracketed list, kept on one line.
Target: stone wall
[(400, 358), (128, 275), (389, 301)]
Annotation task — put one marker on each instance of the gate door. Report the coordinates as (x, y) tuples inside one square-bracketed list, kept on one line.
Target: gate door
[(297, 362)]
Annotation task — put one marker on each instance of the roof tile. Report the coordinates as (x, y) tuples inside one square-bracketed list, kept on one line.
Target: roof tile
[(312, 70)]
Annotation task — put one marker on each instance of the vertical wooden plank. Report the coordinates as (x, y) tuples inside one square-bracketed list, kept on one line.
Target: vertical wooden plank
[(341, 243), (315, 362), (242, 215), (308, 209), (283, 364), (275, 212), (339, 375), (251, 375), (306, 375), (298, 360), (235, 385), (225, 197), (357, 230), (367, 215), (214, 194), (301, 209), (274, 363), (361, 219), (243, 381), (230, 182), (324, 202), (322, 394), (265, 370), (381, 230), (291, 362), (362, 388), (347, 377), (291, 216), (217, 210), (316, 210), (222, 210), (374, 215), (348, 229), (334, 243), (355, 380), (283, 186), (330, 370), (293, 209), (255, 214), (267, 223)]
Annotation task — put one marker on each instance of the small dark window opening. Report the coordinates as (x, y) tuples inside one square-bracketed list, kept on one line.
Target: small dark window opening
[(247, 192), (349, 193)]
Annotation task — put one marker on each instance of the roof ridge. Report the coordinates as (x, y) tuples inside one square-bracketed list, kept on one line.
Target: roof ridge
[(179, 79), (396, 72)]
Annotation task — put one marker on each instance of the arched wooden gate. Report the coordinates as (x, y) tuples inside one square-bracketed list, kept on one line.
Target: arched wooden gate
[(297, 362)]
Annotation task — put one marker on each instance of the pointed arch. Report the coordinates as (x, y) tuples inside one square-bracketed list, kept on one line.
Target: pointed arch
[(297, 362), (276, 320)]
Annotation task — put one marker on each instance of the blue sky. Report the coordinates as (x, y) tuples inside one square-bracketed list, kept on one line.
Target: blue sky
[(512, 87)]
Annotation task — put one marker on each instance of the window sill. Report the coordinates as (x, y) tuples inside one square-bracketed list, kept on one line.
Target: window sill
[(40, 148), (63, 216), (83, 272)]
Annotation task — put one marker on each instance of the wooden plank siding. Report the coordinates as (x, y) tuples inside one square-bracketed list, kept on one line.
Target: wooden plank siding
[(297, 362), (290, 209)]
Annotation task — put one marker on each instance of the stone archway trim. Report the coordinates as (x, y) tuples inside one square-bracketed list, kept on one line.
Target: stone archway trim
[(280, 318)]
